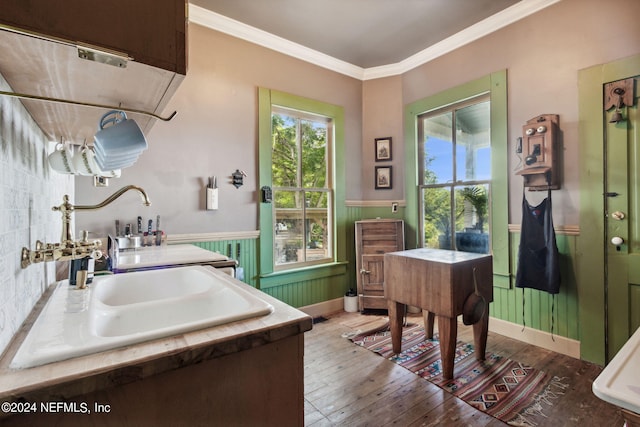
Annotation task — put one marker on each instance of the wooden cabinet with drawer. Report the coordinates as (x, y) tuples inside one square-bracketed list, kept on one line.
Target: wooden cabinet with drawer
[(374, 238)]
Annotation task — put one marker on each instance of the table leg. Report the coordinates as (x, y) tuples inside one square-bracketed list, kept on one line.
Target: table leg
[(396, 314), (480, 332), (428, 323), (448, 330)]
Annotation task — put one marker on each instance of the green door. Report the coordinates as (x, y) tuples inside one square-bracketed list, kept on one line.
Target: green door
[(622, 225)]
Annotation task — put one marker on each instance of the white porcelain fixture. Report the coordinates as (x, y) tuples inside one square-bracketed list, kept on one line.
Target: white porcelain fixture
[(619, 382), (123, 309), (157, 256)]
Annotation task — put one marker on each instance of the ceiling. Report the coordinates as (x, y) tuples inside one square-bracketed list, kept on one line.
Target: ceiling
[(362, 34)]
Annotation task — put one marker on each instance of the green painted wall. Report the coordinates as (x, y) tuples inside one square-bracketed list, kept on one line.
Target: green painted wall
[(247, 259), (314, 285), (507, 302)]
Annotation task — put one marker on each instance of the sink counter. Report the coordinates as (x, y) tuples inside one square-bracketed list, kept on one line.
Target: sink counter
[(619, 382), (92, 374)]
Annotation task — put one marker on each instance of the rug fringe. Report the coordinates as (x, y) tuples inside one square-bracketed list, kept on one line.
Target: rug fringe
[(552, 392), (509, 390)]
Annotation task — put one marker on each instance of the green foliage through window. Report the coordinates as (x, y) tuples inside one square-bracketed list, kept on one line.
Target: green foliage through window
[(301, 193), (455, 148)]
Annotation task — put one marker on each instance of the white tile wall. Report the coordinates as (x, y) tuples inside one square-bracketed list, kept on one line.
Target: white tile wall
[(28, 190)]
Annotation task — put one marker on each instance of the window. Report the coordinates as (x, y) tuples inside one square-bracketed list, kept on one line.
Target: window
[(455, 176), (303, 230), (302, 220), (494, 87)]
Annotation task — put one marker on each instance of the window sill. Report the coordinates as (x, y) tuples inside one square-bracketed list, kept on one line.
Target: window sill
[(279, 278)]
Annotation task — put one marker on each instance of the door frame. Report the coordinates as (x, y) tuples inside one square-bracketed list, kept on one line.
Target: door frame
[(591, 244)]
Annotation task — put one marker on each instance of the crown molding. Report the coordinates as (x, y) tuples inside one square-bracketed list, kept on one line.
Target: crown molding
[(477, 31), (215, 21)]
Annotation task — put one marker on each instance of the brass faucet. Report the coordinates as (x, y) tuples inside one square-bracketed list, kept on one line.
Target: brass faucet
[(68, 248)]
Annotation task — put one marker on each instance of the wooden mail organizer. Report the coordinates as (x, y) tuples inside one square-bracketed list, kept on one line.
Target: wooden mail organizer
[(438, 281)]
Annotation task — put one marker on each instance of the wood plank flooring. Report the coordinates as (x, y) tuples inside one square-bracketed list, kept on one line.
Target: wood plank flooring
[(347, 385)]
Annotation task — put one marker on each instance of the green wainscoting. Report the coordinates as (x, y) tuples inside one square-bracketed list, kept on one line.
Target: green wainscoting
[(507, 303), (248, 251), (307, 286), (314, 285), (297, 288)]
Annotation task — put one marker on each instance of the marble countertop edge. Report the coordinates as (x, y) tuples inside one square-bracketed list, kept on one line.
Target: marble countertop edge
[(80, 375)]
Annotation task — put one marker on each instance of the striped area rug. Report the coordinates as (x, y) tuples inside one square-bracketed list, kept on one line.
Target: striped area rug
[(503, 388)]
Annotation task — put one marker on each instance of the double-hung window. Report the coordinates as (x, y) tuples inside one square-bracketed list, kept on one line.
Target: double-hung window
[(454, 145), (302, 187), (302, 224)]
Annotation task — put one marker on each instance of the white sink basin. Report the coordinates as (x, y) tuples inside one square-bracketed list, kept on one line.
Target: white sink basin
[(124, 309), (619, 381)]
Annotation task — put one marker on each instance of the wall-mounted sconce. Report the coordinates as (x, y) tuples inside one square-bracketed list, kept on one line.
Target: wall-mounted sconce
[(618, 94)]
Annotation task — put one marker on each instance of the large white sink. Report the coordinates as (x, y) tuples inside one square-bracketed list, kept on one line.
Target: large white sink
[(619, 381), (124, 309)]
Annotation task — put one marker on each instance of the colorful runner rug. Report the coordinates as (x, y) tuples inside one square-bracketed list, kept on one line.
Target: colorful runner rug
[(505, 389)]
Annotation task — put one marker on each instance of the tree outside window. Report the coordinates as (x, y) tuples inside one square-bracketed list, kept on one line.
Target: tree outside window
[(455, 178), (301, 189)]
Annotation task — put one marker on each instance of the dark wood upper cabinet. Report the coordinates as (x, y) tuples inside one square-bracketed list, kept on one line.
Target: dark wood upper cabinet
[(40, 44), (152, 32)]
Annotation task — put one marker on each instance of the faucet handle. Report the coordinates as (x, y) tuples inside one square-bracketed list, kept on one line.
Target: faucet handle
[(81, 279)]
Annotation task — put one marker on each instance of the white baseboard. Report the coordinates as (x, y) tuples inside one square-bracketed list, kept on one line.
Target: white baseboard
[(324, 308), (562, 345)]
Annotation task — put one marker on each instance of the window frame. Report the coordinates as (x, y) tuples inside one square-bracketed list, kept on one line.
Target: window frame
[(495, 85), (456, 183), (328, 188), (267, 99)]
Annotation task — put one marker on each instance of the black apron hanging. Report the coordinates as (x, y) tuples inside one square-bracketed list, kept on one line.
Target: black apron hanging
[(538, 259)]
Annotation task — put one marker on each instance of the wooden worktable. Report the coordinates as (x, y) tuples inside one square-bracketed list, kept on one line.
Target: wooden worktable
[(437, 281)]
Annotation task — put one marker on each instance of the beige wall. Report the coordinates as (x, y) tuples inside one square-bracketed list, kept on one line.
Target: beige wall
[(215, 130), (542, 55), (382, 117), (215, 133)]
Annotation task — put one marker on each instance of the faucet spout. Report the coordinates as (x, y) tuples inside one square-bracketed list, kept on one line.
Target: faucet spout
[(68, 249), (114, 196)]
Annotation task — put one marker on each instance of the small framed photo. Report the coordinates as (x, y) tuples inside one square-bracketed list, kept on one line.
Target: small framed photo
[(383, 177), (383, 149)]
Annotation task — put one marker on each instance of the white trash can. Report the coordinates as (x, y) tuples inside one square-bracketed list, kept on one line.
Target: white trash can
[(350, 302)]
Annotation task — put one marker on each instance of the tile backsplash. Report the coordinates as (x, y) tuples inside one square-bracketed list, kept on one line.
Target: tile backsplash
[(28, 190)]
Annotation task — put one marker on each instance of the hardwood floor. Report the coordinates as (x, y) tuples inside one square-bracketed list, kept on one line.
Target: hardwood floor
[(347, 385)]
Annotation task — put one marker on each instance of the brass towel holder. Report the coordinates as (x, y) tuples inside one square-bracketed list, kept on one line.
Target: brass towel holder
[(86, 104)]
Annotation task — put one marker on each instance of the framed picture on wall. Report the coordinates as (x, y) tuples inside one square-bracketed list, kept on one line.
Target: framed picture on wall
[(383, 149), (383, 177)]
